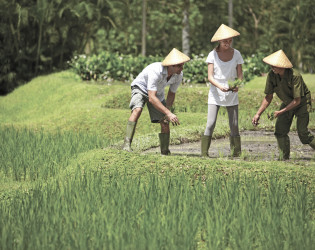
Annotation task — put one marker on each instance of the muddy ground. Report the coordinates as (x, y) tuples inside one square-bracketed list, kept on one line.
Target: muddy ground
[(256, 145)]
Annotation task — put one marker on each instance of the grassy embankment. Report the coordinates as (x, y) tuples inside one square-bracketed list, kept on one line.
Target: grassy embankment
[(62, 186)]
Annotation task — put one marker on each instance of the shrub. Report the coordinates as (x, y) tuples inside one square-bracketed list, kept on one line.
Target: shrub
[(108, 66), (196, 70), (254, 66)]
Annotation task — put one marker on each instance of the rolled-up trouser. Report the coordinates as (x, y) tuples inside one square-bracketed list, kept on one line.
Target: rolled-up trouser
[(284, 121), (212, 119), (139, 99)]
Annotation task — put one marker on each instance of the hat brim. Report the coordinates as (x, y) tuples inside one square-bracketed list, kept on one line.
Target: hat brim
[(175, 57), (278, 59), (224, 32)]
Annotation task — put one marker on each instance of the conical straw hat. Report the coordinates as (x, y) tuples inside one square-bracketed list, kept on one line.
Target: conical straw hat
[(278, 59), (224, 32), (175, 57)]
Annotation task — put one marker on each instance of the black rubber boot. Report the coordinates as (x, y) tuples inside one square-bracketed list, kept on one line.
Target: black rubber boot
[(284, 147), (205, 145), (131, 127), (235, 146), (164, 143)]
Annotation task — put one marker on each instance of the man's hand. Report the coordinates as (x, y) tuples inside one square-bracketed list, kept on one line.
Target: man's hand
[(255, 120), (265, 103), (276, 114), (172, 118)]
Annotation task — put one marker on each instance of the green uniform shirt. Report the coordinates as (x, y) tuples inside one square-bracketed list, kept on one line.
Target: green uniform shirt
[(289, 87)]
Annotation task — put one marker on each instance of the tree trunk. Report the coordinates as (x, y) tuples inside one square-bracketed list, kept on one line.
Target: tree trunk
[(144, 27), (185, 30), (39, 44), (231, 13), (256, 23)]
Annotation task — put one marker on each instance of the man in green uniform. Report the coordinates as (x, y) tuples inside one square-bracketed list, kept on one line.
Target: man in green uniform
[(289, 86)]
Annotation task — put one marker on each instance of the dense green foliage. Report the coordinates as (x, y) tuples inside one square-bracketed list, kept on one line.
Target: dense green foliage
[(40, 36), (109, 66)]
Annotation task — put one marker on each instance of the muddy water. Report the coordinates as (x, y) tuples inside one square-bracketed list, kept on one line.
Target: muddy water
[(256, 145)]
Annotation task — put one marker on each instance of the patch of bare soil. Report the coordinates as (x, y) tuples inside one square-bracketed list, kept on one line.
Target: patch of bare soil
[(256, 145)]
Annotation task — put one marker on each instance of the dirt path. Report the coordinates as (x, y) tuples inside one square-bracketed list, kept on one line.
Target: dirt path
[(256, 145)]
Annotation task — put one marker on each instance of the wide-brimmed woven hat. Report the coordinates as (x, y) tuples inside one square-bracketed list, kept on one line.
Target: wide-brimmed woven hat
[(224, 32), (278, 59), (175, 57)]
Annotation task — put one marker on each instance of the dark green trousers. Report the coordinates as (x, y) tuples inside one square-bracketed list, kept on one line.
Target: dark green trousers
[(284, 123)]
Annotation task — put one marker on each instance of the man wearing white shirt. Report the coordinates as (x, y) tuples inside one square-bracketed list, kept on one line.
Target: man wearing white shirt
[(148, 87)]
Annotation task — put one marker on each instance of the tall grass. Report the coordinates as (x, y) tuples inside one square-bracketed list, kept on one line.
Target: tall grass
[(56, 192), (111, 210), (30, 155)]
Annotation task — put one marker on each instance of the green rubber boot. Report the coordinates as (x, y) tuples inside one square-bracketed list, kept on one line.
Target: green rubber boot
[(205, 145), (235, 146), (312, 143), (131, 127), (164, 143), (284, 147)]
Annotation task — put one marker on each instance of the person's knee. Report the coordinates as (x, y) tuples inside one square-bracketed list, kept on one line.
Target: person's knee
[(304, 137), (137, 110), (136, 113), (209, 128), (165, 127), (235, 133), (281, 133), (282, 126), (234, 129)]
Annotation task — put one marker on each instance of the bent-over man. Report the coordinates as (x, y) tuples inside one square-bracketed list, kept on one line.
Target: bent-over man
[(291, 89), (148, 87)]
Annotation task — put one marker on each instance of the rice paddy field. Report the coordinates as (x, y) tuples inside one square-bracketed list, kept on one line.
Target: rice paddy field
[(65, 183)]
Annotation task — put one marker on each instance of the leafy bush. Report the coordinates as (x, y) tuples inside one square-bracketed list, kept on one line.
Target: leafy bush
[(113, 66), (196, 70), (110, 66), (254, 66)]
